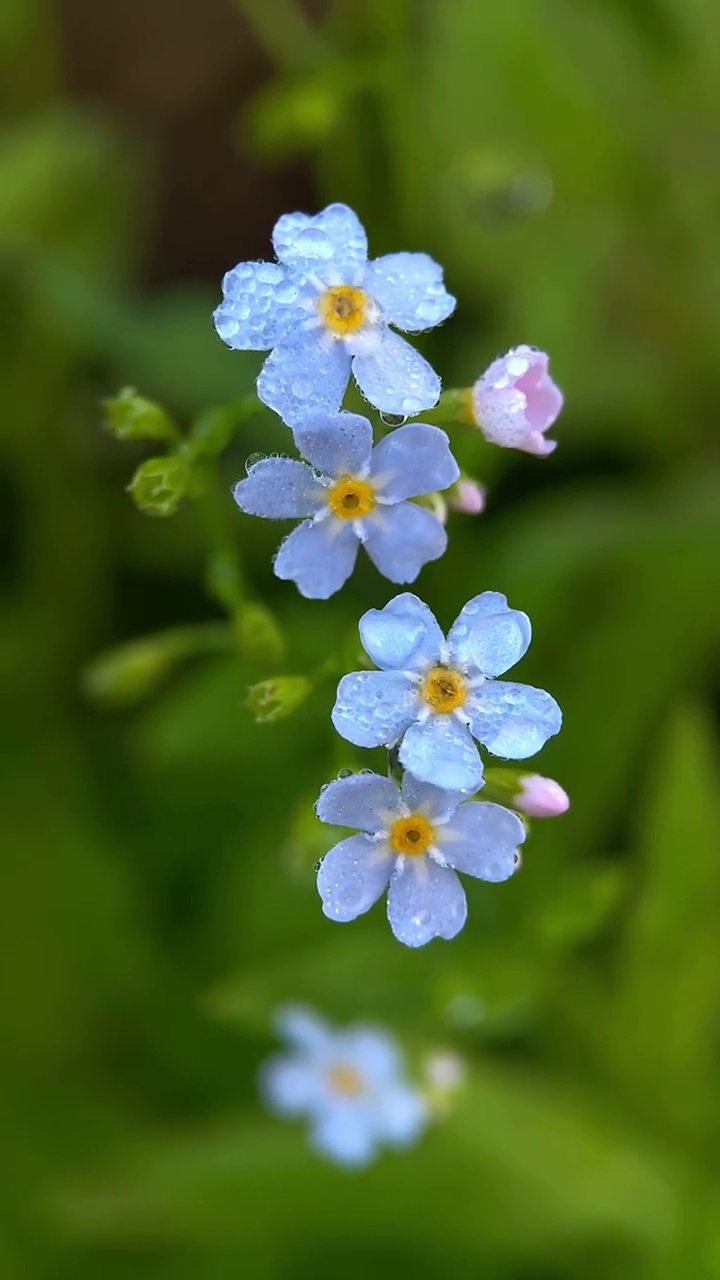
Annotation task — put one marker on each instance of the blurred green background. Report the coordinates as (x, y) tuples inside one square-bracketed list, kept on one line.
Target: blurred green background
[(561, 160)]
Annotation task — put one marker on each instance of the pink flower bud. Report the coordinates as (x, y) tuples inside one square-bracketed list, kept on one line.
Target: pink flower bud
[(467, 496), (516, 401), (541, 797), (445, 1070)]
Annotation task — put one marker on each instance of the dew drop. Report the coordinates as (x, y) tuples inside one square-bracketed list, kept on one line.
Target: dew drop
[(345, 773), (253, 460), (393, 419)]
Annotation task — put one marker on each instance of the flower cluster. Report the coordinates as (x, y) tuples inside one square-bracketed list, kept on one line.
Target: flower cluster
[(324, 311), (350, 1084)]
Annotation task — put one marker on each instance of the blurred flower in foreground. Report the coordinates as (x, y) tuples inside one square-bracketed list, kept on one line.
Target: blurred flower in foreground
[(540, 797), (359, 498), (350, 1084), (516, 401), (324, 310), (412, 843), (433, 696), (468, 497), (445, 1073)]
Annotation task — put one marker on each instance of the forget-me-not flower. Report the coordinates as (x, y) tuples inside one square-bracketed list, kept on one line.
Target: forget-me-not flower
[(433, 696), (413, 842), (324, 309), (358, 495), (350, 1084), (516, 401)]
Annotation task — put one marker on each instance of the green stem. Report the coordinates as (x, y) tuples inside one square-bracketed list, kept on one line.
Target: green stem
[(285, 33)]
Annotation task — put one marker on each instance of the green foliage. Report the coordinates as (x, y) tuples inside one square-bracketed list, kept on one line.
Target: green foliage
[(157, 898)]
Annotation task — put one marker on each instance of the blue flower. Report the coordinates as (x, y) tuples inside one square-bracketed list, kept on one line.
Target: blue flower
[(433, 696), (350, 1084), (323, 308), (358, 495), (412, 844)]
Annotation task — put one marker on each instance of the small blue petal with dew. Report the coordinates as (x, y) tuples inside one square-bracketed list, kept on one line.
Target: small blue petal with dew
[(352, 495), (350, 1084), (324, 311), (432, 696), (413, 841)]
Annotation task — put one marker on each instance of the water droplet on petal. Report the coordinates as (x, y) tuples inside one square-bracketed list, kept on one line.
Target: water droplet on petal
[(393, 419), (253, 460), (345, 773)]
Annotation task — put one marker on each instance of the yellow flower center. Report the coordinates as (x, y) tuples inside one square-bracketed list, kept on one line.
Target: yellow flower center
[(345, 1080), (349, 498), (411, 835), (443, 689), (343, 309)]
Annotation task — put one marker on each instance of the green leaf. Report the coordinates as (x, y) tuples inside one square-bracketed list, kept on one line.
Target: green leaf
[(662, 1032)]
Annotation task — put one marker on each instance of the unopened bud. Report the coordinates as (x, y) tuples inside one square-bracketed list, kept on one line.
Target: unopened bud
[(160, 484), (445, 1070), (272, 700), (129, 416), (258, 636), (540, 797), (130, 673), (467, 496), (516, 401)]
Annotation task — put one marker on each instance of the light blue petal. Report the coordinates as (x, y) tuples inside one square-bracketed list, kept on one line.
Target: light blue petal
[(291, 1086), (303, 1028), (278, 488), (395, 378), (490, 604), (437, 804), (410, 290), (402, 1114), (425, 901), (401, 539), (496, 643), (352, 876), (413, 460), (442, 751), (305, 371), (336, 443), (481, 840), (512, 720), (364, 800), (374, 707), (260, 305), (343, 1135), (334, 235), (403, 635), (373, 1053), (318, 558)]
